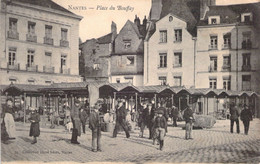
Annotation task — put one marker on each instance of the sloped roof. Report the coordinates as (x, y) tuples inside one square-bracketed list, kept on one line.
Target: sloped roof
[(134, 27), (105, 39), (21, 88), (232, 13), (45, 3)]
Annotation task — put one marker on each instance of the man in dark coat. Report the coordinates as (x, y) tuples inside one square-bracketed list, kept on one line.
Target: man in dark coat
[(148, 115), (76, 122), (246, 117), (188, 117), (234, 114), (83, 118), (120, 119), (95, 126), (174, 114)]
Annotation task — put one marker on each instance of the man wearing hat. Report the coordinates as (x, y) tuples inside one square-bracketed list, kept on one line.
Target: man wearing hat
[(120, 119), (160, 126), (174, 114), (148, 115), (95, 126), (75, 121), (188, 117), (8, 112)]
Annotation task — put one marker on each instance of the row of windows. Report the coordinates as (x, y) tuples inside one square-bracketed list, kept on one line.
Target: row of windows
[(177, 35), (12, 58), (245, 17), (15, 80), (163, 60), (246, 83), (246, 41), (31, 36), (177, 80), (227, 63)]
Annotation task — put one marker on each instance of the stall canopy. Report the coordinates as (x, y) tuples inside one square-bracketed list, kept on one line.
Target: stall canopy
[(20, 89)]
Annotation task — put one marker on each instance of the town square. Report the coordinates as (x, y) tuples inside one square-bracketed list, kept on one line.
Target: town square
[(148, 81)]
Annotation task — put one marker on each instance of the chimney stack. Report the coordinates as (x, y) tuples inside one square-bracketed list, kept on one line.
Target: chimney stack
[(204, 7), (137, 20)]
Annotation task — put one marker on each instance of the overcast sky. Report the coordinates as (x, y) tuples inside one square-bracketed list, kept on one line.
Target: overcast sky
[(96, 22)]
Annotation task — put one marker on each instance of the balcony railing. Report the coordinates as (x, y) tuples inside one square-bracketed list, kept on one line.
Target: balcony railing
[(13, 67), (226, 68), (13, 35), (212, 69), (64, 43), (48, 69), (65, 70), (246, 44), (32, 68), (31, 37), (226, 46), (177, 65), (213, 47), (246, 67), (48, 41)]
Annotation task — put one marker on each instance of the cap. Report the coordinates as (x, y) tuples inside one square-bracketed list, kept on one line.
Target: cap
[(76, 101)]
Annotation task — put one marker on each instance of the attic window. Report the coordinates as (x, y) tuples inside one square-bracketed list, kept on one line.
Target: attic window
[(170, 18), (246, 17), (214, 20), (127, 44), (96, 66)]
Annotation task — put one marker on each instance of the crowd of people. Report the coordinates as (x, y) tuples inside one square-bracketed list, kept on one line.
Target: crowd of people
[(155, 119)]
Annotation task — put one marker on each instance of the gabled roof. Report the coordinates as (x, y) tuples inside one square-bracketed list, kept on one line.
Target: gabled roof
[(45, 3), (230, 14), (106, 39), (134, 27)]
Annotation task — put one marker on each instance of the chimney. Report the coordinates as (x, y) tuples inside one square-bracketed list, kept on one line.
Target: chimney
[(113, 30), (204, 7), (144, 21), (137, 20)]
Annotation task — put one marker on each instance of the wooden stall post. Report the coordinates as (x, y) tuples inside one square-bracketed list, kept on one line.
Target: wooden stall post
[(155, 100), (114, 101), (136, 103), (179, 103), (172, 100), (24, 108)]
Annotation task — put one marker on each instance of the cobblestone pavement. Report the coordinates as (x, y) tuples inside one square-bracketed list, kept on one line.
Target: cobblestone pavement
[(209, 145)]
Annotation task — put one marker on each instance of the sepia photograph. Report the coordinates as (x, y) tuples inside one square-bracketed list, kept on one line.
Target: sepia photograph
[(130, 81)]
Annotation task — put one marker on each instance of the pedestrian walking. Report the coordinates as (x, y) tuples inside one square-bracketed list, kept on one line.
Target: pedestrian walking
[(174, 114), (160, 126), (234, 115), (162, 108), (35, 126), (8, 111), (95, 126), (148, 115), (246, 117), (83, 118), (141, 120), (75, 122), (189, 119), (121, 119)]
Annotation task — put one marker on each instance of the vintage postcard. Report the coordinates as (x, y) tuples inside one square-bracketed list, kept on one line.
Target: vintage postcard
[(130, 81)]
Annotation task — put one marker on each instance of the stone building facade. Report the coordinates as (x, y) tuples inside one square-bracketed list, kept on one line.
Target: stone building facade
[(39, 43)]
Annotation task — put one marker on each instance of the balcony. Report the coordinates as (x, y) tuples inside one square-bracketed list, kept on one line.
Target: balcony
[(48, 69), (226, 68), (13, 67), (32, 68), (48, 40), (226, 46), (65, 70), (246, 44), (212, 69), (177, 65), (31, 37), (213, 47), (246, 67), (64, 43), (13, 35)]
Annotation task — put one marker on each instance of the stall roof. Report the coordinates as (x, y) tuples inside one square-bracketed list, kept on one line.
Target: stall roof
[(17, 89), (152, 89)]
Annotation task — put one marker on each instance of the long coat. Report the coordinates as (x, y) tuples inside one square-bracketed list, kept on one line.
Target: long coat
[(246, 115), (121, 113), (35, 126), (148, 117), (94, 120), (74, 113)]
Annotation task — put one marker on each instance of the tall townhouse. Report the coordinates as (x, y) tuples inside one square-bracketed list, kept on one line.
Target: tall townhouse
[(127, 59), (170, 43), (39, 43), (228, 53), (96, 56)]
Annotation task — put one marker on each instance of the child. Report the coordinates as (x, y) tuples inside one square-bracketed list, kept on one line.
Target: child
[(35, 126), (160, 126), (94, 125)]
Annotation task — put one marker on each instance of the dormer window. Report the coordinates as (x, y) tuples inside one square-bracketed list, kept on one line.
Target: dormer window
[(214, 20), (127, 44), (246, 17)]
